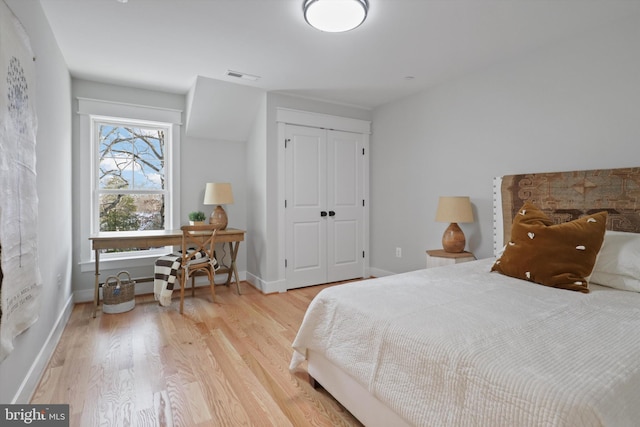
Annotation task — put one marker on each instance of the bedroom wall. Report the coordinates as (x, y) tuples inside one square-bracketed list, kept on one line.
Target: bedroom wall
[(212, 160), (572, 105), (201, 161), (257, 197), (83, 271), (21, 370)]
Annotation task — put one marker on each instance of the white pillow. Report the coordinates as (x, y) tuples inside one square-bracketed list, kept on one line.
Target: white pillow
[(618, 262)]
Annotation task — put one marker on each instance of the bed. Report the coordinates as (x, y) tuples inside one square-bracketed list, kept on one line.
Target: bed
[(465, 345)]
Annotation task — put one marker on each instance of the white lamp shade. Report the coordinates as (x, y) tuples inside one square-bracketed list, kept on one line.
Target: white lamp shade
[(218, 193), (454, 209), (335, 16)]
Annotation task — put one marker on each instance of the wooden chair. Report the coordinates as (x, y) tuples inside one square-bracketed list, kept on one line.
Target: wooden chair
[(198, 256)]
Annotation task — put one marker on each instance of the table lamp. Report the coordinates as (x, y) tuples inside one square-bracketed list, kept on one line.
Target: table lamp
[(454, 210), (218, 193)]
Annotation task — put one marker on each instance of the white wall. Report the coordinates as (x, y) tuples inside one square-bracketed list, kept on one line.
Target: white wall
[(256, 174), (570, 106), (206, 160), (83, 277), (21, 370), (201, 161)]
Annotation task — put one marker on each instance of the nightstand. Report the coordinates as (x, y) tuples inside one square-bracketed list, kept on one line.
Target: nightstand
[(438, 257)]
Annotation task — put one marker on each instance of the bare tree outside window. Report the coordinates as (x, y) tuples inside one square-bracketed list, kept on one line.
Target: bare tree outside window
[(131, 177)]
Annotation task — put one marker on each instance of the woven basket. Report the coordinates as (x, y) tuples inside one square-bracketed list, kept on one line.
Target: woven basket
[(118, 293)]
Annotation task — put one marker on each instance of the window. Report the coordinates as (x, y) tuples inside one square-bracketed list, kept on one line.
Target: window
[(130, 164), (130, 183)]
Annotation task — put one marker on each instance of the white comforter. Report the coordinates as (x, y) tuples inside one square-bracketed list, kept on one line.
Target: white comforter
[(459, 346)]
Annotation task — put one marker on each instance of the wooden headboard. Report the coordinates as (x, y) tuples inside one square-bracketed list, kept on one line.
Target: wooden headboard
[(565, 196)]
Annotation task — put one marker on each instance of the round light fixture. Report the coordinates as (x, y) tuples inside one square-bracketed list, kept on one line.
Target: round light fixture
[(335, 16)]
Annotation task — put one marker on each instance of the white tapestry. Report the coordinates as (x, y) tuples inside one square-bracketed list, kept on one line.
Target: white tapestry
[(20, 281)]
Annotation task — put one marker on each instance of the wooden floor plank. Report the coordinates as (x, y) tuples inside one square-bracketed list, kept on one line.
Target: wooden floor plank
[(219, 364)]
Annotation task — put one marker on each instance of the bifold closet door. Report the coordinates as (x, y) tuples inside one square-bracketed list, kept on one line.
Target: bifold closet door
[(324, 211), (345, 258), (306, 199)]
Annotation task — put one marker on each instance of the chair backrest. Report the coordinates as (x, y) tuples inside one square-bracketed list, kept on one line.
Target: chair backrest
[(196, 238)]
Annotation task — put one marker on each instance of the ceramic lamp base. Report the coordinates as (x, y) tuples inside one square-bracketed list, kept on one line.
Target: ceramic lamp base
[(453, 239), (218, 218)]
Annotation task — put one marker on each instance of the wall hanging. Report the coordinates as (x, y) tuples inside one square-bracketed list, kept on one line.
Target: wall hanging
[(20, 281)]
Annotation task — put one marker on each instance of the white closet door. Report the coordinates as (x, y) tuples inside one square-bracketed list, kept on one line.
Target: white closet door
[(306, 198), (344, 203), (324, 212)]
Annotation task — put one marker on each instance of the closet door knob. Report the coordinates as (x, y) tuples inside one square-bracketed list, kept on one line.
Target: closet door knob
[(332, 213), (323, 213)]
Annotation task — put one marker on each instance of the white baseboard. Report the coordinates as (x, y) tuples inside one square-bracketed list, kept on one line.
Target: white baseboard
[(30, 382), (266, 287), (376, 272), (86, 295), (281, 285), (276, 286)]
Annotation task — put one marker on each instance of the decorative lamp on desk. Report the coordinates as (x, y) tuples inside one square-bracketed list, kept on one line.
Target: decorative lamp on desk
[(218, 193), (454, 210)]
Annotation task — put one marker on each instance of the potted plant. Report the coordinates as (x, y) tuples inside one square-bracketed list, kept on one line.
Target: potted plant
[(196, 218)]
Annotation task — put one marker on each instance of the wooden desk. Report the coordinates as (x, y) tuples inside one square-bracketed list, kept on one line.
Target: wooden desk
[(152, 239)]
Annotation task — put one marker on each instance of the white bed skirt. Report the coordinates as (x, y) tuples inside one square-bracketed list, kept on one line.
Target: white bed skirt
[(362, 405)]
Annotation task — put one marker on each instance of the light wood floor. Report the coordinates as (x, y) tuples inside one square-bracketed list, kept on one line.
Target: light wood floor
[(222, 364)]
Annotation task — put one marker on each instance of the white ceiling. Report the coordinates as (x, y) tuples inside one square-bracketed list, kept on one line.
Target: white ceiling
[(166, 44)]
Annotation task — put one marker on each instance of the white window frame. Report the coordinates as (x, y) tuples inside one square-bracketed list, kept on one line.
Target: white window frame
[(92, 111)]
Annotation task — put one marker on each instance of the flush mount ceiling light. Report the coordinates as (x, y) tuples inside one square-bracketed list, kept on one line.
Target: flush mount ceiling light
[(335, 16)]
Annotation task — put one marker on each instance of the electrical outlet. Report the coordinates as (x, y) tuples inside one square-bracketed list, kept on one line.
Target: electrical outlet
[(398, 252)]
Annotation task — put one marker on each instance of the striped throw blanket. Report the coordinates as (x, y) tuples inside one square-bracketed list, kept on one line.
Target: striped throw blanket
[(166, 271)]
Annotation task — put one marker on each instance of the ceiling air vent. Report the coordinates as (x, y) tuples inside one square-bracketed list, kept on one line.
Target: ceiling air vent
[(239, 75)]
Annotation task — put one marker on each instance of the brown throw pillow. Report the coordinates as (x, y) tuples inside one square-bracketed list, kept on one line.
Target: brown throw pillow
[(556, 255)]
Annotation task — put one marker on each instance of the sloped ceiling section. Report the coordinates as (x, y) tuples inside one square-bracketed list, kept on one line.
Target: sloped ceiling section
[(221, 110)]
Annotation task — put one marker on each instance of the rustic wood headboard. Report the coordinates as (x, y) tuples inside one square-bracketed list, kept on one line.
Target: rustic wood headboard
[(565, 196)]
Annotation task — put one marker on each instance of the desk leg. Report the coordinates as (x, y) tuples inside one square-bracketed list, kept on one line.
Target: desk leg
[(233, 270), (96, 289)]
